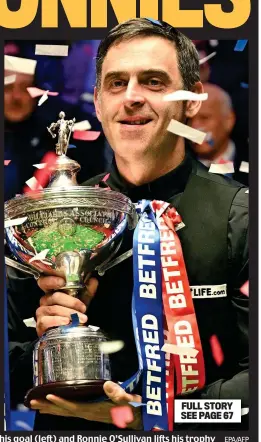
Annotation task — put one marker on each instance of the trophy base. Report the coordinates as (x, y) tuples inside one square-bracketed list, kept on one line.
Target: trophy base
[(79, 391)]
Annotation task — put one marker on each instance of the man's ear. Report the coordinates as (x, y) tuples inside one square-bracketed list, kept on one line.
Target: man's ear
[(97, 104), (192, 107)]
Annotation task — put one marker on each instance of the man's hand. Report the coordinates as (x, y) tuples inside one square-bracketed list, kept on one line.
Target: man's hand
[(98, 412), (56, 307)]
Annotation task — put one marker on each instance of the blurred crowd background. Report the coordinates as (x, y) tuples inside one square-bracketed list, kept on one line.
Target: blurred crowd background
[(224, 116)]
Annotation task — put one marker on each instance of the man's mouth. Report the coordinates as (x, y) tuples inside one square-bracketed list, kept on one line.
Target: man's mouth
[(135, 122)]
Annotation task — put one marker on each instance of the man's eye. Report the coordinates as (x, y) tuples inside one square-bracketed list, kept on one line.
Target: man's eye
[(117, 83), (154, 82)]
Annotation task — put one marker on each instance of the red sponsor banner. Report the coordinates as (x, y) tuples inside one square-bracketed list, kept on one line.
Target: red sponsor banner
[(185, 359)]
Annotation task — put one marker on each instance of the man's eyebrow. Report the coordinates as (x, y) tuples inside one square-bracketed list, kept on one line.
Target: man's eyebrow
[(114, 74), (156, 72), (146, 72)]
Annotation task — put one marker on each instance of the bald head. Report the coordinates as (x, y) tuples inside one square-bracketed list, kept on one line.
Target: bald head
[(215, 117), (218, 97)]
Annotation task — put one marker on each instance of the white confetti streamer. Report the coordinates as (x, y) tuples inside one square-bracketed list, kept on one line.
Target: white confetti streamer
[(208, 57), (9, 79), (21, 407), (7, 64), (53, 50), (244, 411), (40, 256), (23, 425), (43, 98), (46, 263), (185, 131), (185, 95), (32, 244), (136, 404), (40, 166), (86, 96), (179, 226), (30, 322), (176, 350), (33, 184), (93, 327), (15, 222), (34, 141), (111, 347), (18, 64), (244, 167), (201, 54), (213, 43), (222, 168), (247, 191), (208, 136), (82, 125)]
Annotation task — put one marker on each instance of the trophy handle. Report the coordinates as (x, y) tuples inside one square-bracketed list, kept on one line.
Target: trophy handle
[(16, 265), (101, 269)]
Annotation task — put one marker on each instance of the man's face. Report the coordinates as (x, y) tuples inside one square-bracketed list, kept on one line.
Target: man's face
[(18, 104), (136, 75), (217, 121)]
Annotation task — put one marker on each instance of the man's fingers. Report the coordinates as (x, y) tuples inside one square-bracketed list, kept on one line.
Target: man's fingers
[(50, 283), (63, 403), (60, 298), (92, 286), (46, 322), (36, 404), (121, 398), (45, 407), (58, 310), (88, 293), (118, 395), (56, 411)]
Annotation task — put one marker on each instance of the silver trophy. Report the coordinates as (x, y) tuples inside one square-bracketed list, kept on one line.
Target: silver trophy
[(67, 230)]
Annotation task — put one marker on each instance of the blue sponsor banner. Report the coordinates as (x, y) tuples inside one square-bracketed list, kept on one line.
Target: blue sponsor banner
[(149, 317)]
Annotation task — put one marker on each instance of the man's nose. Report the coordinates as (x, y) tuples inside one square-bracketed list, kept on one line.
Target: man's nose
[(133, 94), (17, 93)]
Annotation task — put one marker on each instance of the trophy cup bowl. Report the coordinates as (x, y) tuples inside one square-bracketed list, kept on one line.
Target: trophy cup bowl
[(69, 231)]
